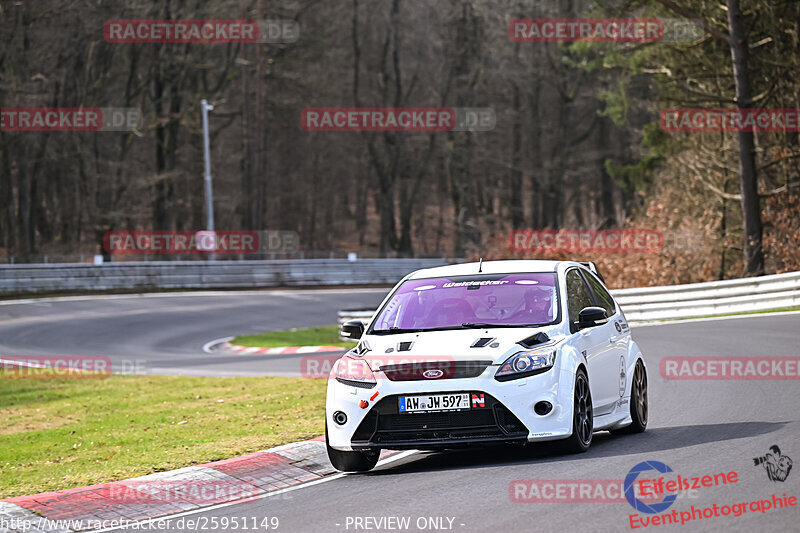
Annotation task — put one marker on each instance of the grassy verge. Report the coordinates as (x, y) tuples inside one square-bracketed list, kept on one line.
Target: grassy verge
[(323, 336), (758, 312), (64, 433)]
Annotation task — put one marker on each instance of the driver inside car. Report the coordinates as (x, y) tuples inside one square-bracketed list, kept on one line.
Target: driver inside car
[(538, 305)]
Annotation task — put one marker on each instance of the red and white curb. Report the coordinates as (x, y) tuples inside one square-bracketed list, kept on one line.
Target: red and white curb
[(224, 345), (283, 349), (160, 495)]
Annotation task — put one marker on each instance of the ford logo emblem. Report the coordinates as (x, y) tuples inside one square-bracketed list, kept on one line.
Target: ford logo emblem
[(433, 373)]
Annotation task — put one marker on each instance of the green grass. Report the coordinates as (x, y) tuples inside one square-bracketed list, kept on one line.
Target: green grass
[(64, 433), (322, 336), (759, 312)]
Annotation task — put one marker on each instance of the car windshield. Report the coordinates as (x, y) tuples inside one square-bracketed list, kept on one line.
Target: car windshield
[(457, 302)]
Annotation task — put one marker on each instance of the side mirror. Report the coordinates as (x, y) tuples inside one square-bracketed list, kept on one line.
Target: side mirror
[(352, 329), (590, 317)]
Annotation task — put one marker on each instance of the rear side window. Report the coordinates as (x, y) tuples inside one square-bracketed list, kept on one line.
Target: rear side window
[(602, 297), (578, 295)]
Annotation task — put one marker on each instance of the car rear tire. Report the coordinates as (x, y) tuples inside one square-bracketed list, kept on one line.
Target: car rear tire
[(639, 407), (582, 417), (351, 461)]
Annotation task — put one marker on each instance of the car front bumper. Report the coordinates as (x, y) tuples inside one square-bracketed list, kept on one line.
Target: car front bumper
[(507, 415)]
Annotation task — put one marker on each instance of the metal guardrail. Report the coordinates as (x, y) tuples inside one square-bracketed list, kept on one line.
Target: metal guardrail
[(710, 299), (159, 275), (715, 298)]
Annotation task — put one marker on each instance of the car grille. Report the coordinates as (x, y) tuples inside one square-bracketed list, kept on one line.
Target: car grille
[(385, 426), (450, 370)]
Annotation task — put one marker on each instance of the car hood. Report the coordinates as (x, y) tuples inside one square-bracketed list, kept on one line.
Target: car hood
[(498, 344)]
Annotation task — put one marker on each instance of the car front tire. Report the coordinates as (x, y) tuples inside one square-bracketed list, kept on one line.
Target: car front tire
[(351, 461), (582, 416)]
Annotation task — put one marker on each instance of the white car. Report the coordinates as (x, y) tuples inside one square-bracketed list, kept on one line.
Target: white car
[(481, 353)]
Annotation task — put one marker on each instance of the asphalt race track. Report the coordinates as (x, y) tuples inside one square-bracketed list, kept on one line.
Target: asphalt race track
[(696, 427), (165, 333)]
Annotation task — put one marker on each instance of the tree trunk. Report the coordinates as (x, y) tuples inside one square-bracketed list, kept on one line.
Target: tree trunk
[(537, 175), (515, 179), (748, 178), (608, 209)]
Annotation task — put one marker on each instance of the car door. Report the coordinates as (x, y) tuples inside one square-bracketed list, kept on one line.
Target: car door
[(619, 333), (591, 342)]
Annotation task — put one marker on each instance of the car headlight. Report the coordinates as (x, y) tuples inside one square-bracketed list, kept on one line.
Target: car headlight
[(354, 372), (525, 364)]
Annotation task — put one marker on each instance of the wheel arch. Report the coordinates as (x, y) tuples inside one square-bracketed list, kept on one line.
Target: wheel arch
[(572, 360), (634, 355)]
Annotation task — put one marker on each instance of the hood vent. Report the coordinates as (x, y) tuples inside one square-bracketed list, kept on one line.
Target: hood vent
[(404, 346), (482, 342), (534, 340)]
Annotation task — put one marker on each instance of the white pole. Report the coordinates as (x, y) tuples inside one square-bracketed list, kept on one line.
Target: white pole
[(207, 154)]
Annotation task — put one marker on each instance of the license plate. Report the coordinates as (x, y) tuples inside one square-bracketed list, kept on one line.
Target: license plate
[(434, 402)]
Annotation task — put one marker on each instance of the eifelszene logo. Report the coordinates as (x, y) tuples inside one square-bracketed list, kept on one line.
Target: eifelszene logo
[(637, 503), (777, 466)]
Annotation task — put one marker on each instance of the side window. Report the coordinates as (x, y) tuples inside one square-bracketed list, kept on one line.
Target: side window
[(602, 297), (578, 296)]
